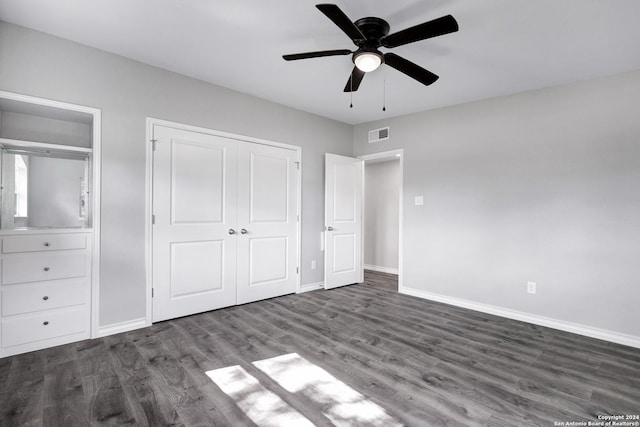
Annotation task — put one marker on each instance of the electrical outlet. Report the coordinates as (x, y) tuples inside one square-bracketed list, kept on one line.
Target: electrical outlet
[(313, 264), (419, 200), (531, 287)]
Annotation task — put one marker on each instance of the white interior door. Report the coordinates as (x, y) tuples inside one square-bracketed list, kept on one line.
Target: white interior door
[(343, 263), (267, 220), (194, 190)]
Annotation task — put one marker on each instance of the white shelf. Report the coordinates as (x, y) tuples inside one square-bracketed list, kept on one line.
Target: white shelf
[(44, 230), (42, 146)]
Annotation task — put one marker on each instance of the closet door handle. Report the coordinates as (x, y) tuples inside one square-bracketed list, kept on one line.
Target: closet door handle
[(329, 228), (243, 231), (45, 297), (46, 243), (232, 231), (46, 269)]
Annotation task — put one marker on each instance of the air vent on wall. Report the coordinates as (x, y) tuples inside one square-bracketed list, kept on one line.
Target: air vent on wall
[(378, 135)]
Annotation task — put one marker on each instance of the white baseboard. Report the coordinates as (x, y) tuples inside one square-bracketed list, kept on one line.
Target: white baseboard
[(311, 287), (120, 327), (381, 269), (602, 334)]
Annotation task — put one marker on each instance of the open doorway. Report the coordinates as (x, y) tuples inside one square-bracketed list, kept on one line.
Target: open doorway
[(382, 226)]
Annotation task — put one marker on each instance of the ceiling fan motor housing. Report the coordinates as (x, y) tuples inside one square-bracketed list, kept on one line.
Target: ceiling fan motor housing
[(374, 29)]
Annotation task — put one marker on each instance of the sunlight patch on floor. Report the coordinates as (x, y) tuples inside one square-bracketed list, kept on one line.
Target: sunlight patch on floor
[(262, 406), (340, 403)]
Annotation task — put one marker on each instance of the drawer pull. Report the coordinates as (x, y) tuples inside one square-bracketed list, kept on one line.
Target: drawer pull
[(45, 297), (45, 323), (46, 269), (46, 243)]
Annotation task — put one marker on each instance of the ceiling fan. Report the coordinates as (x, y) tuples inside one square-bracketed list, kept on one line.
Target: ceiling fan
[(369, 34)]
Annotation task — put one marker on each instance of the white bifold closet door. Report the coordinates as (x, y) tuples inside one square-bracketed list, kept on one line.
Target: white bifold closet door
[(267, 212), (225, 229)]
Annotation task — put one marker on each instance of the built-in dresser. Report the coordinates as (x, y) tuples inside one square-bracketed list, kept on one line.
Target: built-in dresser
[(48, 222)]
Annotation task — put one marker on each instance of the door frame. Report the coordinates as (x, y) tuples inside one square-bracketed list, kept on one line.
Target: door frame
[(151, 122), (391, 154)]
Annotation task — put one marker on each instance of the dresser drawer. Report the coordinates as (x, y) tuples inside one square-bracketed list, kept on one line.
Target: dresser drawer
[(19, 299), (43, 242), (39, 267), (42, 326)]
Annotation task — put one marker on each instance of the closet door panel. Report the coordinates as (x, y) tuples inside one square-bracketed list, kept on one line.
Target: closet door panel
[(196, 268), (267, 218), (267, 259), (194, 255), (197, 182), (269, 187)]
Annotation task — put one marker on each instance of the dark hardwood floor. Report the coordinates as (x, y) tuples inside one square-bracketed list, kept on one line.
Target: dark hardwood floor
[(420, 363)]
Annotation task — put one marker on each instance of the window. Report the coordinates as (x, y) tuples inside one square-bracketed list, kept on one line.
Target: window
[(21, 185)]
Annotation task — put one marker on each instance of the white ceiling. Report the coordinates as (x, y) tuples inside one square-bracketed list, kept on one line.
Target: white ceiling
[(503, 46)]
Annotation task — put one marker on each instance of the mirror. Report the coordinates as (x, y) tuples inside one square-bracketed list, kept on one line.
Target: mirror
[(44, 189)]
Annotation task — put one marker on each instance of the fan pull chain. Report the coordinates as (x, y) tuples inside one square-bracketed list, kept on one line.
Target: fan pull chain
[(384, 95), (351, 92), (384, 89)]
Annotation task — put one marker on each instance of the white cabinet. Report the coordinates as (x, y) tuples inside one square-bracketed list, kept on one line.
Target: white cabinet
[(45, 290), (38, 296), (49, 222), (38, 267), (43, 243), (33, 332)]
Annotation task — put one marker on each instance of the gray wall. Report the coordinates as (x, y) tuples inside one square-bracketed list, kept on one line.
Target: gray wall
[(381, 213), (541, 186), (47, 130), (37, 64)]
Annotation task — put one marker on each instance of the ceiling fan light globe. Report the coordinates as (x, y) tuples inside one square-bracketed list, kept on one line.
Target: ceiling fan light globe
[(367, 61)]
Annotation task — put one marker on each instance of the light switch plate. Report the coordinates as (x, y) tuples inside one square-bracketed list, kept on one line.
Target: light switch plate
[(419, 200)]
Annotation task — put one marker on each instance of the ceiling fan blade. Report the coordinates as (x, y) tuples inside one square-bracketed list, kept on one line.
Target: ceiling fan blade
[(437, 27), (410, 69), (354, 80), (339, 18), (318, 54)]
